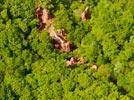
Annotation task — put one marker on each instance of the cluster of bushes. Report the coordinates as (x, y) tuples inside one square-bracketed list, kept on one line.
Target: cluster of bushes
[(32, 69)]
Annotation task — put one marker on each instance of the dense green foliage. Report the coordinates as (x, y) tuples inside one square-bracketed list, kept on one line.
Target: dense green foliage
[(32, 69)]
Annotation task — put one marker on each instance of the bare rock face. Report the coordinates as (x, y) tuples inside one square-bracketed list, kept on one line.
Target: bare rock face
[(43, 16), (74, 61), (95, 67), (67, 46), (39, 12), (71, 62), (63, 46), (61, 33), (59, 39), (86, 14)]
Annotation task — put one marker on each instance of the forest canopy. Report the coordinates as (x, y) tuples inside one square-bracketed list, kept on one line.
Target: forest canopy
[(83, 50)]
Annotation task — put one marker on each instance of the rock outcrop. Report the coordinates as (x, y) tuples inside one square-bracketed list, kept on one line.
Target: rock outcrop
[(86, 14), (58, 35)]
